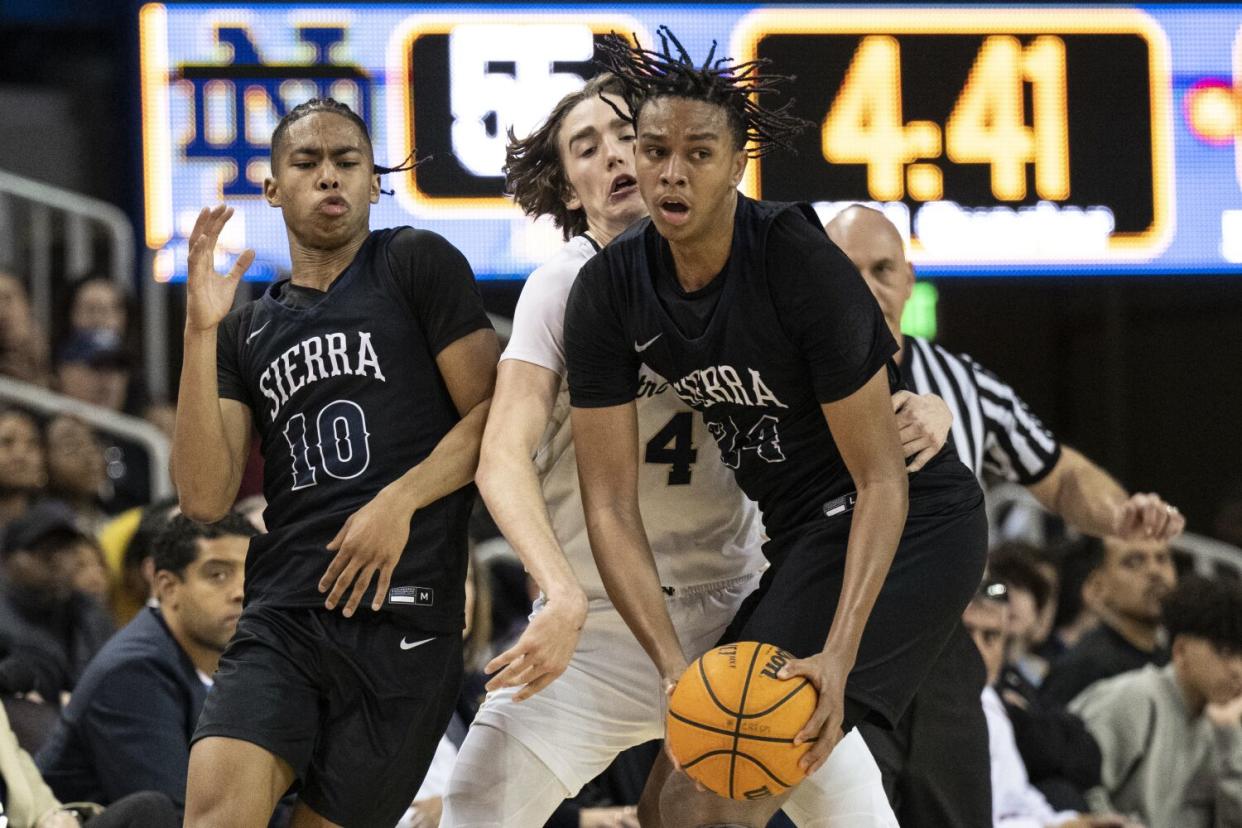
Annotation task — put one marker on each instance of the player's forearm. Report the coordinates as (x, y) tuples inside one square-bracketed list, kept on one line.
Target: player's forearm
[(202, 459), (1082, 493), (451, 464), (510, 488), (628, 570), (879, 519)]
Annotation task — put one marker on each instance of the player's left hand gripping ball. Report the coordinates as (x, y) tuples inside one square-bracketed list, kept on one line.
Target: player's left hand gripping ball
[(370, 543)]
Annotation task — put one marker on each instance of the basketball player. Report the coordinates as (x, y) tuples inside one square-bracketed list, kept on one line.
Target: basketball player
[(993, 428), (368, 376), (764, 327), (539, 738)]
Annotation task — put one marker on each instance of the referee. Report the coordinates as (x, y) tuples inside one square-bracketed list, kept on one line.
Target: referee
[(992, 429)]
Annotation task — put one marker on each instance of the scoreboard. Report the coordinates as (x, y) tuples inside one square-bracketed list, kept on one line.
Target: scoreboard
[(1002, 141)]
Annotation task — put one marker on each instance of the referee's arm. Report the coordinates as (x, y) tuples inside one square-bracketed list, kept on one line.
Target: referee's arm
[(1089, 499)]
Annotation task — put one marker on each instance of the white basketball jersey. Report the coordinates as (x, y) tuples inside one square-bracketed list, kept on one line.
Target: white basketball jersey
[(702, 529)]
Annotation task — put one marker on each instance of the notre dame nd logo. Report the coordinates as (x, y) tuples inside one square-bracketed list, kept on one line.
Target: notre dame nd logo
[(237, 104)]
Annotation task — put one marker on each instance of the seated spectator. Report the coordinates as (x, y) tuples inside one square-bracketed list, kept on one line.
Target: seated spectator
[(23, 344), (129, 723), (1172, 736), (127, 541), (23, 468), (91, 576), (1061, 758), (27, 802), (94, 367), (48, 630), (76, 470), (1015, 802), (95, 303), (1014, 564), (1127, 585), (1073, 616)]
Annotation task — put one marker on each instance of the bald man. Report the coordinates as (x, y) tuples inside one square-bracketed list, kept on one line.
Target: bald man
[(992, 429)]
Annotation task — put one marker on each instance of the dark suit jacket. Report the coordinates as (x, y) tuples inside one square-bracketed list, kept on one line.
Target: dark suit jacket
[(128, 726)]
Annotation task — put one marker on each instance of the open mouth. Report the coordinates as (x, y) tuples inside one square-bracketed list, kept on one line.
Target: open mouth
[(674, 210), (622, 186)]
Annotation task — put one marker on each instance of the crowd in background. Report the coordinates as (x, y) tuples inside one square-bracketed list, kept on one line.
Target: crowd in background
[(1115, 685)]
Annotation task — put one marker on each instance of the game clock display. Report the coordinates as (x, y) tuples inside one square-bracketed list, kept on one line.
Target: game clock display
[(1002, 141)]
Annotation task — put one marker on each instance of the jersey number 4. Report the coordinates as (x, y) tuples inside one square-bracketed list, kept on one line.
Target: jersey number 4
[(762, 438), (341, 445), (673, 445)]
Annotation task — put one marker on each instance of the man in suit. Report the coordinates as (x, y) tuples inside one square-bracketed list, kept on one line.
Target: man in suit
[(129, 723)]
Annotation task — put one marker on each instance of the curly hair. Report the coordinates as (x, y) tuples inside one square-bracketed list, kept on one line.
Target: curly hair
[(647, 74), (336, 108), (534, 170), (1207, 608)]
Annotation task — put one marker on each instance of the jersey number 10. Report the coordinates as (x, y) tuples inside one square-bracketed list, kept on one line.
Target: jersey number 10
[(341, 446)]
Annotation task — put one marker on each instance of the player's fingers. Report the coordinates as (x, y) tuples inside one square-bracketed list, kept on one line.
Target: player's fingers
[(824, 744), (538, 684), (911, 433), (504, 659), (241, 265), (361, 583), (900, 398), (219, 217), (335, 567), (800, 667), (342, 582), (921, 459), (335, 544), (199, 222), (510, 676), (810, 731), (1177, 524), (381, 586)]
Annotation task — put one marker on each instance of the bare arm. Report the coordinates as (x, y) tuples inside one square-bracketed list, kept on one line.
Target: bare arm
[(606, 441), (525, 396), (1088, 498), (865, 432), (212, 436), (372, 539)]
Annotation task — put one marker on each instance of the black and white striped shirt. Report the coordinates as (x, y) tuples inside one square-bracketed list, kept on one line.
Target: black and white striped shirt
[(992, 426)]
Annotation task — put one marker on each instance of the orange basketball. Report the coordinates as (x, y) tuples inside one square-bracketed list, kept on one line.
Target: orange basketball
[(731, 721)]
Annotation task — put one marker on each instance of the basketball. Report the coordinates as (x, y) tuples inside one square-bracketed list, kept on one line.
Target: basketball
[(731, 721)]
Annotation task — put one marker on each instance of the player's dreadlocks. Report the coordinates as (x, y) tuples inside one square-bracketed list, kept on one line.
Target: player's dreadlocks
[(647, 74), (337, 108)]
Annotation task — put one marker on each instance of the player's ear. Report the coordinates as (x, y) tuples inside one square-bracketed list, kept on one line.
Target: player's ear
[(570, 198), (375, 188), (739, 166), (271, 192)]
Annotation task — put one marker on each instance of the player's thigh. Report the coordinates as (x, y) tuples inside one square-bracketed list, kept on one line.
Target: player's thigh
[(305, 817), (384, 711), (233, 784), (607, 700), (497, 782)]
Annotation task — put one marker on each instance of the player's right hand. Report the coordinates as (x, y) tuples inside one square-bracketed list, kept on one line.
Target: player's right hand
[(209, 294), (544, 649)]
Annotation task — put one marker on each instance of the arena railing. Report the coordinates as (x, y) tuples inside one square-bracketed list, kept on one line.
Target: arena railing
[(49, 403)]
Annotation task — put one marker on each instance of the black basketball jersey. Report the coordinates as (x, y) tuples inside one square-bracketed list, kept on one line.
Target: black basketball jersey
[(776, 346), (346, 397)]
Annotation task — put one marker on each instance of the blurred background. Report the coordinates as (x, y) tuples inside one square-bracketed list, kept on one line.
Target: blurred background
[(1092, 261)]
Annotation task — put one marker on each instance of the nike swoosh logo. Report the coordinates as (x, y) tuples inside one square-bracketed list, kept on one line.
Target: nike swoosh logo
[(638, 349), (255, 333), (409, 645)]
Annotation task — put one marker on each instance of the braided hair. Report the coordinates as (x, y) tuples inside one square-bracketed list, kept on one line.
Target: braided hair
[(646, 74), (336, 108)]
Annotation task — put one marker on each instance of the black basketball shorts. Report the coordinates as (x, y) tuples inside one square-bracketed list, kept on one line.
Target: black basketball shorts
[(356, 706), (937, 568)]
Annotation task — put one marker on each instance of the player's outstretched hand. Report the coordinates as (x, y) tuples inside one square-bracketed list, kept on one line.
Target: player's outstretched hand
[(923, 422), (209, 294), (543, 651), (1147, 517), (369, 544), (824, 726)]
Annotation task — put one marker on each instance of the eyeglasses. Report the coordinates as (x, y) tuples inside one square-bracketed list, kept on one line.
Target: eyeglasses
[(994, 590)]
